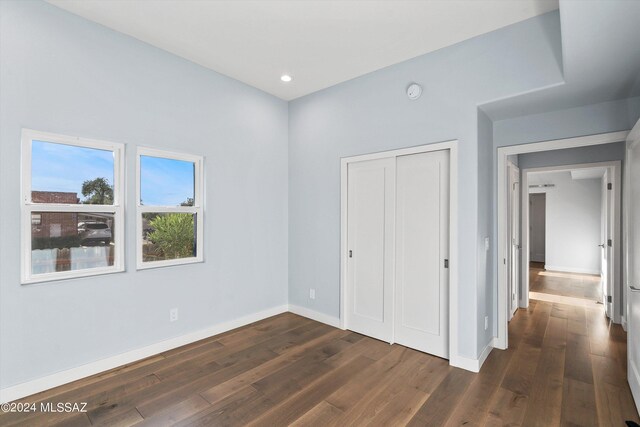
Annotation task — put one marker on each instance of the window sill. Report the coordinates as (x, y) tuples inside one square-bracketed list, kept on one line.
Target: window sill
[(79, 274), (168, 263)]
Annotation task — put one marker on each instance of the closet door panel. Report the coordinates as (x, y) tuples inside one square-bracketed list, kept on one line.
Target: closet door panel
[(370, 211), (422, 236)]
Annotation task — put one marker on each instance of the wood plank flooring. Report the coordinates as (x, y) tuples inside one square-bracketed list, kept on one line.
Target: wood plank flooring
[(565, 366), (584, 286)]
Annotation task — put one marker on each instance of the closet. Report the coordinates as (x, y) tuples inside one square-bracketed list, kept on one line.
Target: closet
[(397, 272)]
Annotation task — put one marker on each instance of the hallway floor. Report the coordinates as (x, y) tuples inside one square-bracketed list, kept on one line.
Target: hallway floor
[(567, 367), (573, 285)]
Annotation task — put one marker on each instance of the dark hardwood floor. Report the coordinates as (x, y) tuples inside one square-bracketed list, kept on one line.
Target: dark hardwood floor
[(565, 366), (584, 286)]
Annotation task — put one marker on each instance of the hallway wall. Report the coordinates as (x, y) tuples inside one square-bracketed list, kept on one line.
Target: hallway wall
[(573, 212)]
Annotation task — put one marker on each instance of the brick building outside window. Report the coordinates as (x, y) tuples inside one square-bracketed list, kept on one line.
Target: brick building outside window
[(54, 224)]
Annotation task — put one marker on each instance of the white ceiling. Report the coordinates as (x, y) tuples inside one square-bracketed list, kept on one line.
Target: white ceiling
[(588, 173), (319, 42), (549, 177), (600, 59)]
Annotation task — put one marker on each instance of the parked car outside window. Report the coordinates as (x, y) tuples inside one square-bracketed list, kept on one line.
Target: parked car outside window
[(94, 233)]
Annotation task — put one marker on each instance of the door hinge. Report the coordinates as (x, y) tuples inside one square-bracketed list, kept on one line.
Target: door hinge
[(609, 186), (609, 298), (350, 254), (609, 242), (446, 263)]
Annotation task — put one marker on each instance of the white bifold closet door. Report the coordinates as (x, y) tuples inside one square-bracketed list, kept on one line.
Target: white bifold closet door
[(398, 237)]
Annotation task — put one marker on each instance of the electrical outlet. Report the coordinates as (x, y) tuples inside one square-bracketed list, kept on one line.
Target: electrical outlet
[(312, 293), (486, 322), (173, 315)]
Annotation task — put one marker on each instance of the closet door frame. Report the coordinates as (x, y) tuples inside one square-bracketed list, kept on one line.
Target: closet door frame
[(452, 147)]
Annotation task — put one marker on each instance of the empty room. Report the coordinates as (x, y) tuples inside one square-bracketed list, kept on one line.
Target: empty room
[(319, 212)]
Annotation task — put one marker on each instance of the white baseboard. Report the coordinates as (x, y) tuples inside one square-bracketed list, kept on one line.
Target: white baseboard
[(494, 343), (470, 364), (623, 322), (315, 315), (63, 377), (560, 269)]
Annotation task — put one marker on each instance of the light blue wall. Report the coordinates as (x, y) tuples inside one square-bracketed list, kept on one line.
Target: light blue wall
[(586, 120), (372, 113), (573, 156), (63, 74)]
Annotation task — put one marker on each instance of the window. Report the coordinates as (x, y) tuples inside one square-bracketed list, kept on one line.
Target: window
[(72, 207), (169, 208)]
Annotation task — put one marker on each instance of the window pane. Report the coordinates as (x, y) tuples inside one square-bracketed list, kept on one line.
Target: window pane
[(71, 175), (68, 241), (168, 236), (166, 182)]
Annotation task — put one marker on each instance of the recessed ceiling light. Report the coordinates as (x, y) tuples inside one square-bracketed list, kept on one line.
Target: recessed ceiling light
[(286, 78)]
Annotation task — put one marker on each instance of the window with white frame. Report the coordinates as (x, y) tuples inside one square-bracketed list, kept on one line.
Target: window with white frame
[(169, 208), (72, 207)]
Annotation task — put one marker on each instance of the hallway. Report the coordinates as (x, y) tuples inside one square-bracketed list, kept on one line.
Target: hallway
[(567, 366), (569, 362)]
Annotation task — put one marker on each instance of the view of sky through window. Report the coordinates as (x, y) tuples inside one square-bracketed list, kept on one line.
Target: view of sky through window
[(165, 182), (64, 168)]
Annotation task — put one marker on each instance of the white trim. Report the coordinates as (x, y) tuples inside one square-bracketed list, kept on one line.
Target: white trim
[(484, 354), (560, 269), (473, 365), (452, 146), (502, 155), (315, 315), (633, 377), (437, 146), (28, 207), (510, 167), (634, 385), (63, 377), (197, 208), (633, 139)]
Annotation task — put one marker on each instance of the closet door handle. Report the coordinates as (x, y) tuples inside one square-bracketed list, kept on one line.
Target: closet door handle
[(634, 289)]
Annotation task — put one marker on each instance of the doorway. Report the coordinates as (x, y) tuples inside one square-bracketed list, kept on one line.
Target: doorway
[(537, 228), (398, 240), (568, 234), (582, 235), (504, 242)]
